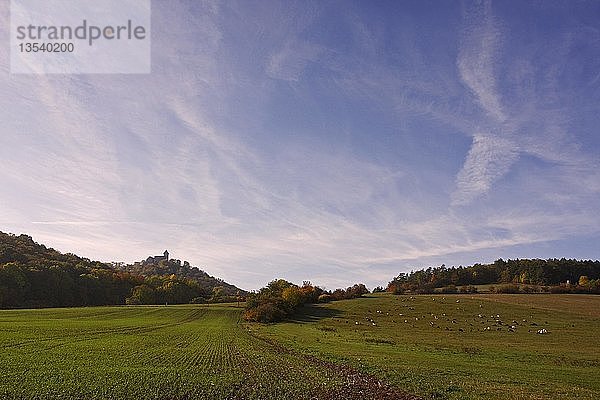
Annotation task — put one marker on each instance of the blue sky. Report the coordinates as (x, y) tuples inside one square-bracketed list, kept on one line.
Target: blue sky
[(336, 142)]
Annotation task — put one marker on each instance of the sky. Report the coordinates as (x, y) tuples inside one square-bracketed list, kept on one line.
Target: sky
[(330, 141)]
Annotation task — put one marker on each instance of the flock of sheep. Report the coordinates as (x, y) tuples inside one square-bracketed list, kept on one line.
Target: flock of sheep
[(478, 322)]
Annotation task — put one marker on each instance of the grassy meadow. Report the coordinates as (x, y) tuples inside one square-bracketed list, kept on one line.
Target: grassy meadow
[(460, 346), (452, 347)]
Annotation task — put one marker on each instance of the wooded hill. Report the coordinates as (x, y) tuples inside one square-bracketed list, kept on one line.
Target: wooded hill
[(552, 275), (181, 270), (33, 275)]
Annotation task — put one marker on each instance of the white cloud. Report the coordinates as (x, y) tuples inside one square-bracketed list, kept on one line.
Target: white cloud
[(478, 59), (488, 160), (292, 59)]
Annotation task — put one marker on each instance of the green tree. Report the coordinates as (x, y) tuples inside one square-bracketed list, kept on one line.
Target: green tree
[(217, 294), (292, 296), (142, 294), (15, 285)]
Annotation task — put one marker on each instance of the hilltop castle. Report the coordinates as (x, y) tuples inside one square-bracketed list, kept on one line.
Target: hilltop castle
[(157, 259)]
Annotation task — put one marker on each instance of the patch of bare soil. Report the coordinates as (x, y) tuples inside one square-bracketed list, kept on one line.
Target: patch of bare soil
[(356, 385), (359, 385)]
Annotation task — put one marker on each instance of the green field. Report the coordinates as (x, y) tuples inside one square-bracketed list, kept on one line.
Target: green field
[(207, 352), (175, 352), (460, 346)]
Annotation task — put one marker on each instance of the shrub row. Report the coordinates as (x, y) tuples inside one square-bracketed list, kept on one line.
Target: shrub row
[(280, 299)]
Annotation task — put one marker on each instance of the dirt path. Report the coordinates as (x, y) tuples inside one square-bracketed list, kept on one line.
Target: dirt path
[(356, 385)]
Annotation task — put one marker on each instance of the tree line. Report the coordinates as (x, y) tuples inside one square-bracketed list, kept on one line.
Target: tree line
[(280, 299), (552, 275)]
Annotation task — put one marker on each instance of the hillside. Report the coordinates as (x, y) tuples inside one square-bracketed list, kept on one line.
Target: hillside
[(181, 270), (33, 275), (24, 251)]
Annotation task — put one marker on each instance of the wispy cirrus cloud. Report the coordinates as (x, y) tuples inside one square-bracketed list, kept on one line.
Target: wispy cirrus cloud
[(478, 59), (489, 159), (492, 153), (519, 90), (290, 61)]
